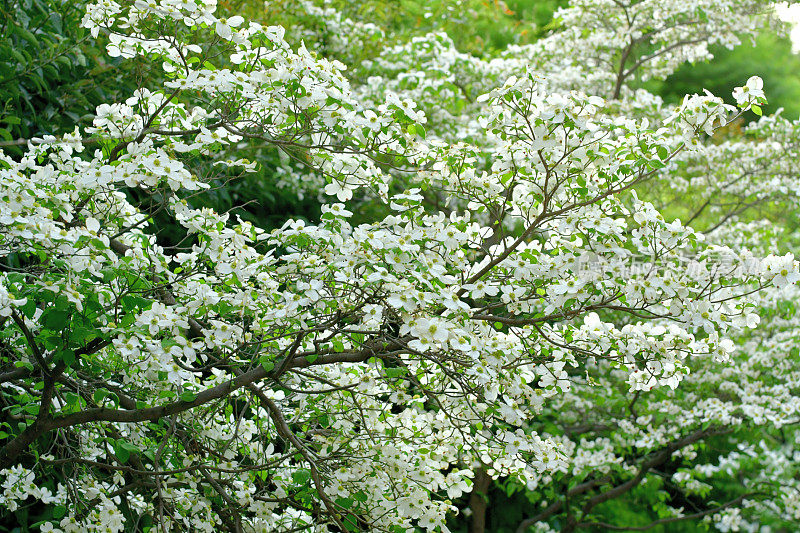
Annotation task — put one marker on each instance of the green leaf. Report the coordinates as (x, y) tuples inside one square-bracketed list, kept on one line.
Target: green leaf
[(188, 397), (55, 319), (301, 477), (29, 308), (68, 356), (25, 34), (123, 450), (100, 395), (122, 453), (72, 399), (350, 523), (395, 372), (114, 399), (346, 503), (757, 110), (62, 303)]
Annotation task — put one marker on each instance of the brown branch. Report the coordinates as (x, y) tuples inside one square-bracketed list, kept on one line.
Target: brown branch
[(655, 459), (30, 339), (556, 506), (12, 449), (621, 75), (672, 519), (285, 431)]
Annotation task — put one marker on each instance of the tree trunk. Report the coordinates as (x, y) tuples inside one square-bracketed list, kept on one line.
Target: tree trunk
[(479, 501)]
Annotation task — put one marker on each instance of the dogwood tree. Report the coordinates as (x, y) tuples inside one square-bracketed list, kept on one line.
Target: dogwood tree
[(514, 306)]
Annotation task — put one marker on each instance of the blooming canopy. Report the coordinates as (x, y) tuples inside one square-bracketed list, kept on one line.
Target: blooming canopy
[(518, 308)]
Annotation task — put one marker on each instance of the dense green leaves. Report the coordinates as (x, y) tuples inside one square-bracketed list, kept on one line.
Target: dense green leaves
[(52, 73)]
